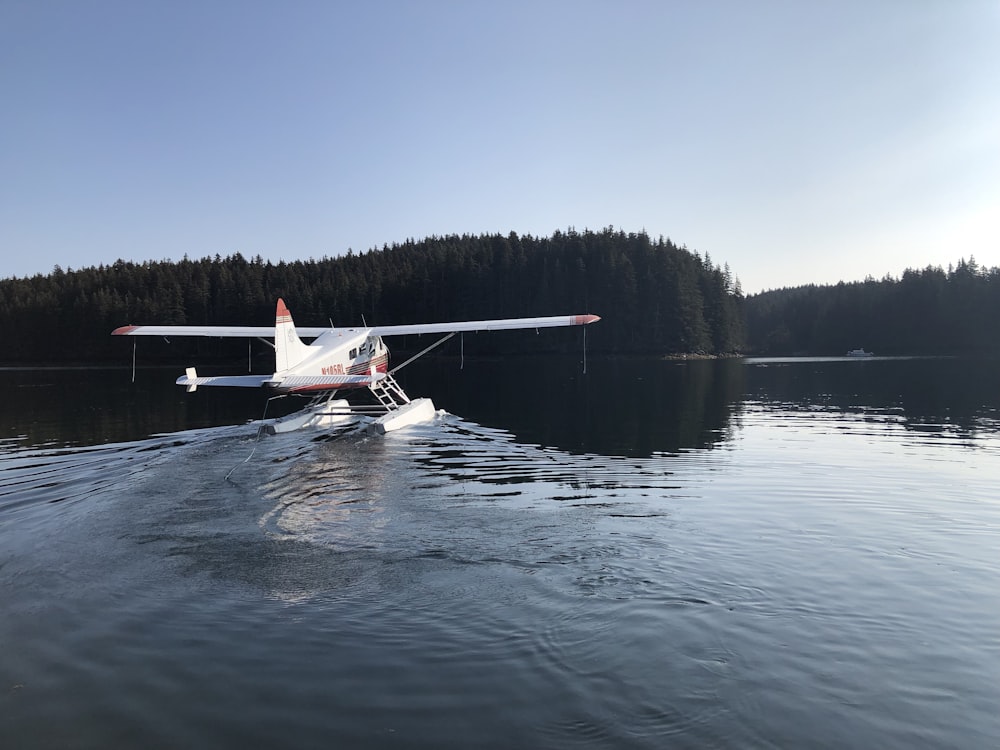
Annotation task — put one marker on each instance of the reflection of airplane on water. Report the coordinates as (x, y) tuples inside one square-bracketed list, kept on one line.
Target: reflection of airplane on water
[(337, 359)]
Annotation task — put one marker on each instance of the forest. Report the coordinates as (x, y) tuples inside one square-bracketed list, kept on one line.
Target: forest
[(929, 311), (653, 296)]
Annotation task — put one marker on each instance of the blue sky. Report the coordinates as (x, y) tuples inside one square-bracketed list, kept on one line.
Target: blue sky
[(799, 142)]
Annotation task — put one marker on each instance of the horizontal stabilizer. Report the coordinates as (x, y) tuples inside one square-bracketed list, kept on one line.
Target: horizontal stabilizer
[(239, 381)]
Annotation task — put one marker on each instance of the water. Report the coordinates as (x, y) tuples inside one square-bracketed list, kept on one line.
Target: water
[(706, 554)]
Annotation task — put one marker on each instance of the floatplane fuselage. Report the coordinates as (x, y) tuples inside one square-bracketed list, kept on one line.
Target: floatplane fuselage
[(337, 359)]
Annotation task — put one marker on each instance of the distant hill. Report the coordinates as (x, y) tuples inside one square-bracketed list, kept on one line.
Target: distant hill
[(653, 296), (929, 311)]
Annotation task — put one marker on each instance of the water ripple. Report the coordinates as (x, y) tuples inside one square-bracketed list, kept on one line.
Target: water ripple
[(819, 576), (343, 493)]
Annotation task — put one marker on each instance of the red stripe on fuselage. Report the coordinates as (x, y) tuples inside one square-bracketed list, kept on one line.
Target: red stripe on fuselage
[(326, 387), (381, 363)]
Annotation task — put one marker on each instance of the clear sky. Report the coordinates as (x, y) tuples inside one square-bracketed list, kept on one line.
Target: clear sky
[(796, 141)]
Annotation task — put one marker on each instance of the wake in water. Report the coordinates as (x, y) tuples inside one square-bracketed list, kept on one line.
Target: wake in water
[(453, 463)]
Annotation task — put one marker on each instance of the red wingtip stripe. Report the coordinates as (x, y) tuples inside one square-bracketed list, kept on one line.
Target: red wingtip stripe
[(123, 331), (582, 320)]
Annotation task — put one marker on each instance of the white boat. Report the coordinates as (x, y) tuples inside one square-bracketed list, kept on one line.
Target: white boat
[(860, 353)]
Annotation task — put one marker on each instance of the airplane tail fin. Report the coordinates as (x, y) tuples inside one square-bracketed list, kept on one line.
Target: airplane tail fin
[(288, 347)]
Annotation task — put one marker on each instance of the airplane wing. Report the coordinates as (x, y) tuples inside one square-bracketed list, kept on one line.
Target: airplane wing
[(266, 332), (293, 383), (504, 324)]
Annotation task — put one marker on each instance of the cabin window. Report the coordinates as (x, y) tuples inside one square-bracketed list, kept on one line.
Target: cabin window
[(353, 354)]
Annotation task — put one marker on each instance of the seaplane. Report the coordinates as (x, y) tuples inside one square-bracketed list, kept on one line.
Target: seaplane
[(336, 360)]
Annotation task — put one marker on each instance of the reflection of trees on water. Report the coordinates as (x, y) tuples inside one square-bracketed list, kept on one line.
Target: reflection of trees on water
[(72, 407), (621, 406), (927, 394), (626, 406)]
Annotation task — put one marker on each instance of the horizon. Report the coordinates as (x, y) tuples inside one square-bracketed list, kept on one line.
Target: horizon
[(797, 144)]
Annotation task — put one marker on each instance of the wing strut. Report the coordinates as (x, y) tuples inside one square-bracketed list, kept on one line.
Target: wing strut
[(422, 353)]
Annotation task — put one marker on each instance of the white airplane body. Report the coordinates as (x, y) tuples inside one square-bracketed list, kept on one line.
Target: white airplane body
[(337, 359)]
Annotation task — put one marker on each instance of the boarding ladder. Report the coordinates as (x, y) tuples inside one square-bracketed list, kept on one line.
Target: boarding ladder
[(388, 393)]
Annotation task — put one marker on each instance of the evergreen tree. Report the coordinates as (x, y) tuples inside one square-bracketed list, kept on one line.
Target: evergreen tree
[(653, 296)]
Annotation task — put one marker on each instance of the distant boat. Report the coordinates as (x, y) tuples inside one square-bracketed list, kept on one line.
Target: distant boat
[(860, 353)]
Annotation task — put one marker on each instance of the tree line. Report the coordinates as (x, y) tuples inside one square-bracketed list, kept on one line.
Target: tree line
[(653, 296), (929, 311)]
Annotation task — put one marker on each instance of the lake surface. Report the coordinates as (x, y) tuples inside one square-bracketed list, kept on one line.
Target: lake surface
[(760, 553)]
